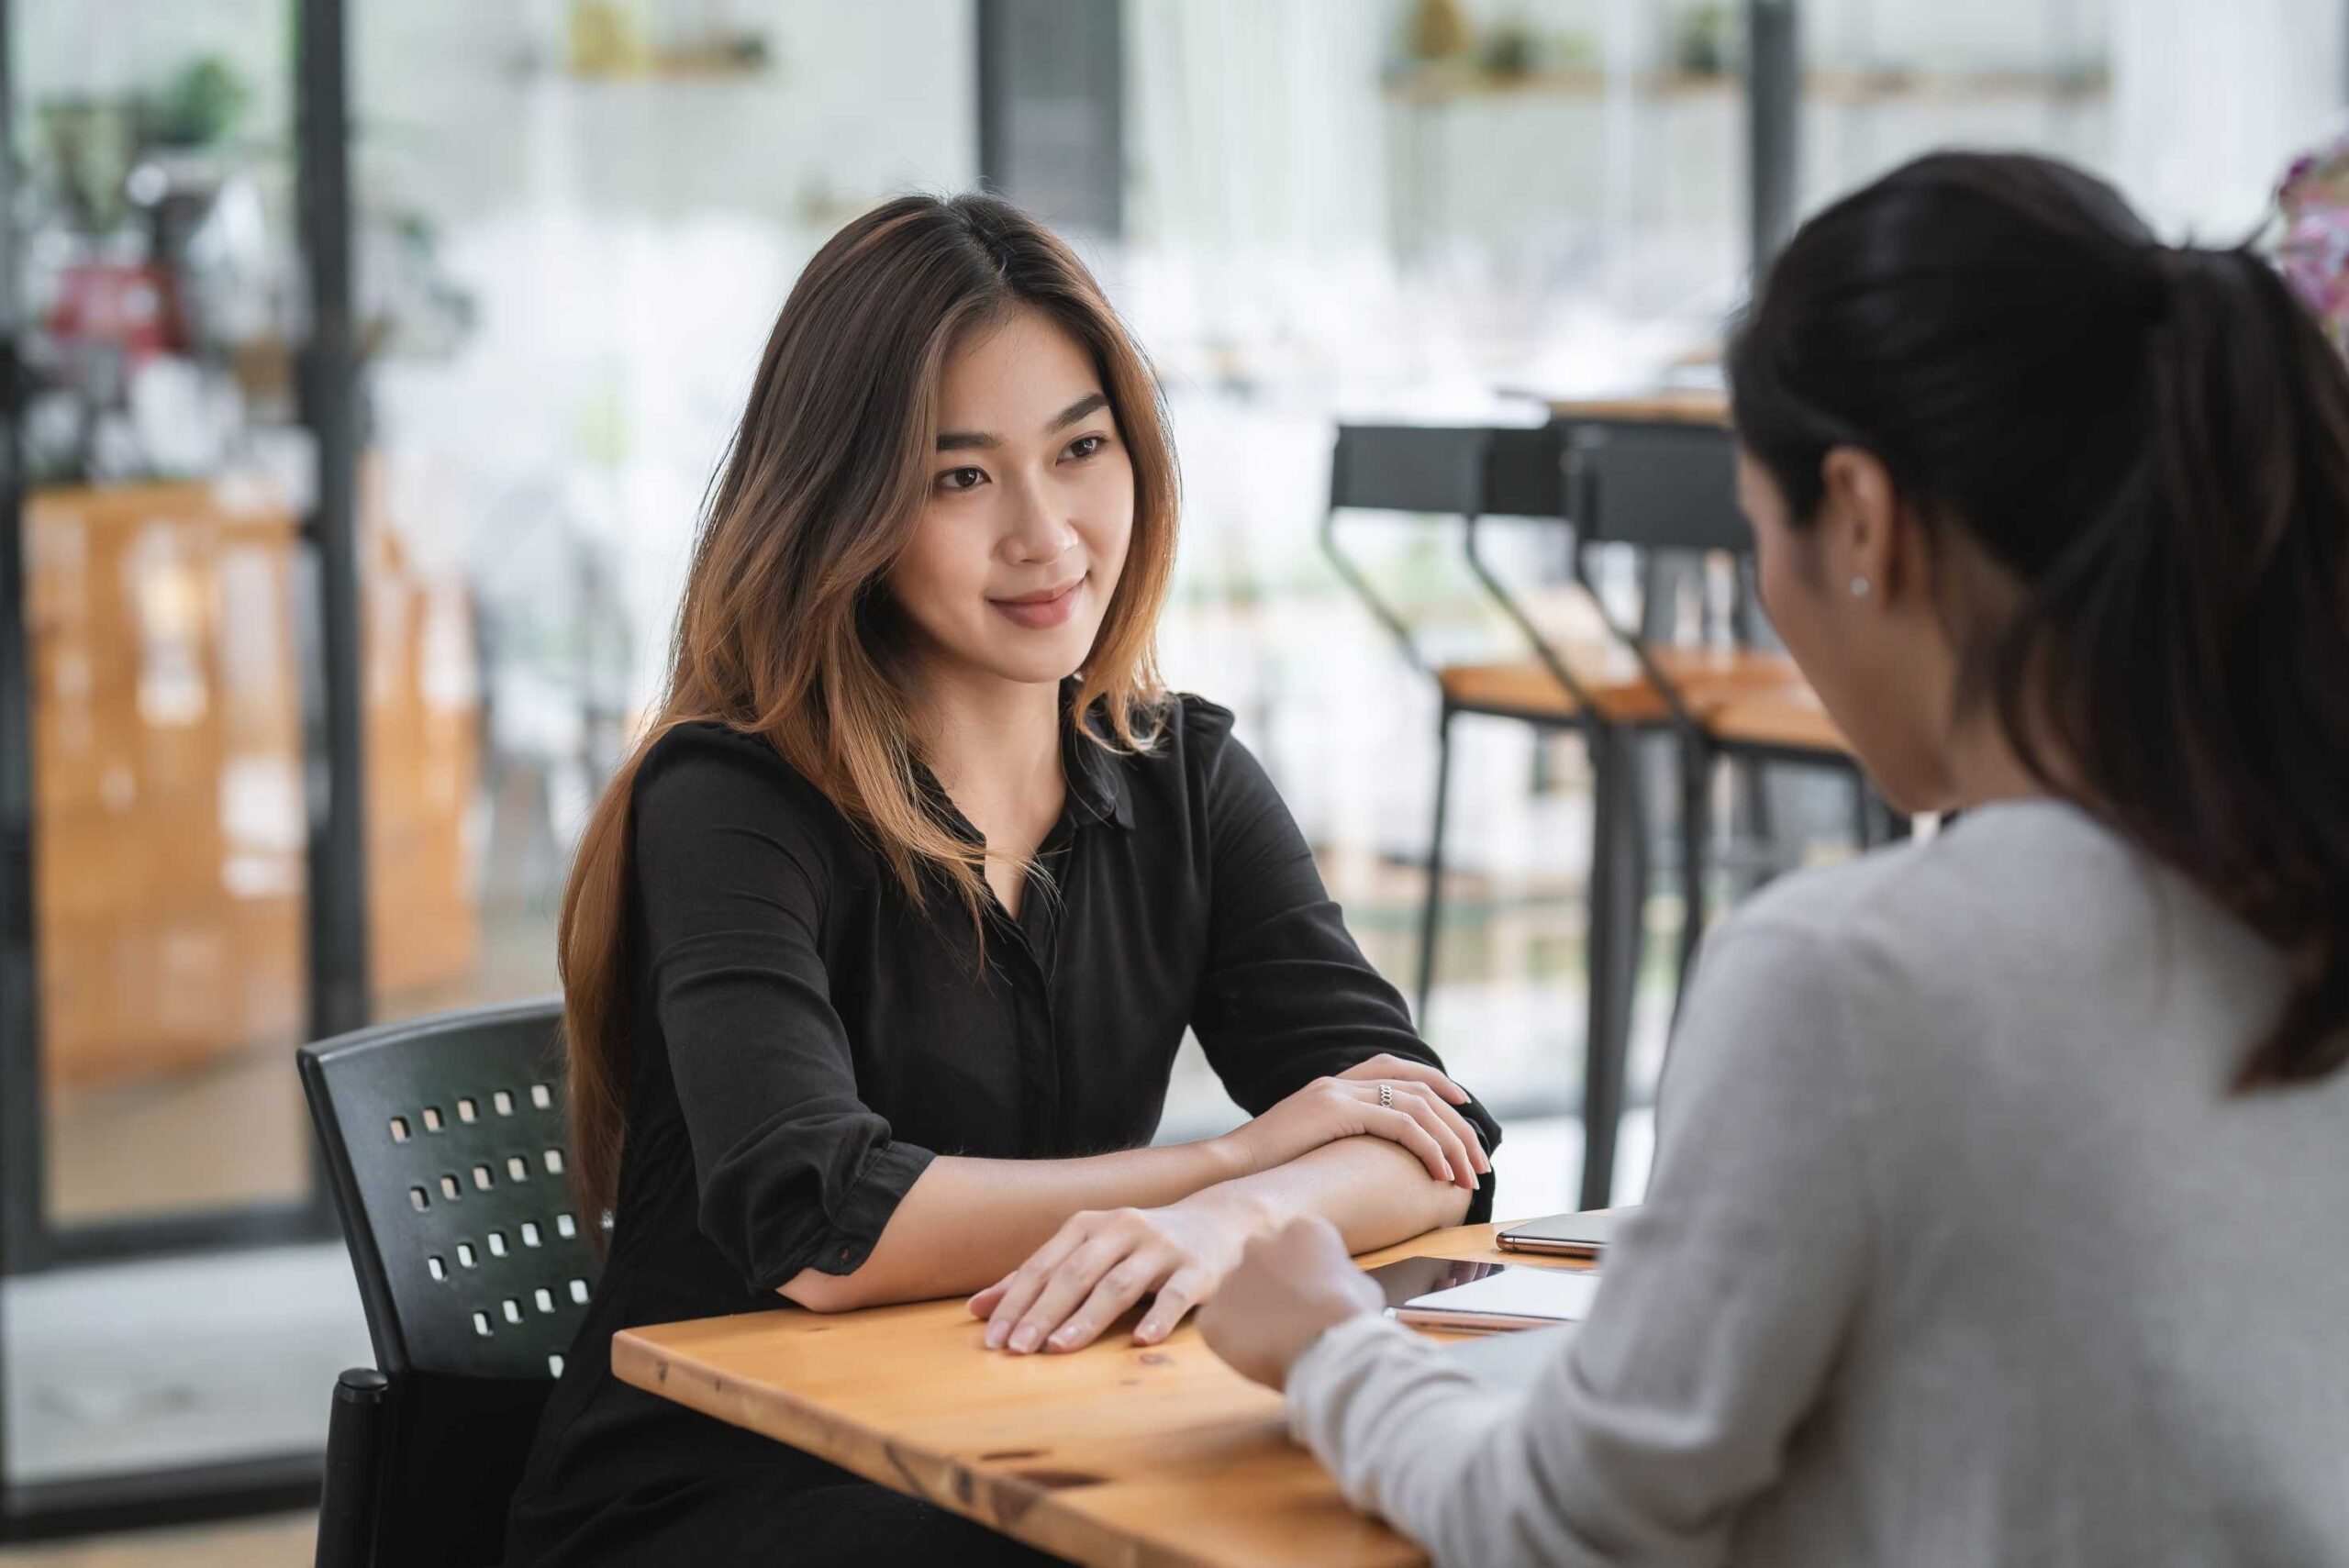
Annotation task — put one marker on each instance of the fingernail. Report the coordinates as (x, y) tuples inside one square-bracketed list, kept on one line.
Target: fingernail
[(1025, 1340), (1065, 1338), (994, 1336)]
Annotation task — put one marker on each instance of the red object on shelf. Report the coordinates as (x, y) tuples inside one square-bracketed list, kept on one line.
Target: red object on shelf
[(133, 305)]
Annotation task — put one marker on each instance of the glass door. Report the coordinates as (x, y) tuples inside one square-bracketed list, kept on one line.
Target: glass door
[(166, 477), (176, 867)]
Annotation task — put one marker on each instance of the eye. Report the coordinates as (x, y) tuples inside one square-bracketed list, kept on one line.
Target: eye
[(961, 479), (1085, 446)]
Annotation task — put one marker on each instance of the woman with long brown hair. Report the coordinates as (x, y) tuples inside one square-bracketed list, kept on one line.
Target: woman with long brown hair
[(877, 951)]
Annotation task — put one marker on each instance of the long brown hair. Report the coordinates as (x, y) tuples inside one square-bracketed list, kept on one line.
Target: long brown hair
[(787, 630), (2155, 442)]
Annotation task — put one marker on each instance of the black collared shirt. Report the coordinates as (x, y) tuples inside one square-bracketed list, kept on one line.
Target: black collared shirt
[(807, 1039)]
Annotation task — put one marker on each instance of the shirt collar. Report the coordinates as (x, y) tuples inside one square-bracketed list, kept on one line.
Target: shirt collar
[(1096, 784), (1097, 781)]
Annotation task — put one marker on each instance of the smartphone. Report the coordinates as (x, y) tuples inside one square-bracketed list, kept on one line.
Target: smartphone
[(1563, 1235)]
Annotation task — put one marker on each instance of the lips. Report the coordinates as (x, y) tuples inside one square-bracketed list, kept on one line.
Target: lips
[(1043, 608)]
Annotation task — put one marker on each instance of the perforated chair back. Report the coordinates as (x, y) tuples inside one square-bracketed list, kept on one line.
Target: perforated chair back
[(444, 1143), (1670, 488)]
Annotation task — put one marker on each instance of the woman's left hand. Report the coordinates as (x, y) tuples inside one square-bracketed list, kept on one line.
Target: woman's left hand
[(1289, 1287), (1100, 1264)]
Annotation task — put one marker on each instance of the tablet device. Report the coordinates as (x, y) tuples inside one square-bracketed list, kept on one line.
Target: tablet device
[(1563, 1235), (1477, 1297)]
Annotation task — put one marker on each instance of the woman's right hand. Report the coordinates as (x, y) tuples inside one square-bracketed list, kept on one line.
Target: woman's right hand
[(1419, 1116)]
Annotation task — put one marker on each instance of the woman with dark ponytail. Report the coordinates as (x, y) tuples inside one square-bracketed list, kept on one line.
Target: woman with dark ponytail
[(2002, 1205)]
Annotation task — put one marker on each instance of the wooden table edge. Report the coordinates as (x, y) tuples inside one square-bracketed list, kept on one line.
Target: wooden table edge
[(1656, 408)]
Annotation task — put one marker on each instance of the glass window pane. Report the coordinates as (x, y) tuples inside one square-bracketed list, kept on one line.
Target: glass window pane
[(157, 272), (576, 223)]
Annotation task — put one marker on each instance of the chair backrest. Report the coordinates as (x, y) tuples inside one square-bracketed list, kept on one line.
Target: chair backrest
[(1655, 486), (444, 1143), (1522, 473), (1455, 470), (446, 1147), (1409, 468)]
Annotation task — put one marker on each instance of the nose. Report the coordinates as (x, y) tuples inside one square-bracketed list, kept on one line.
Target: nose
[(1038, 532)]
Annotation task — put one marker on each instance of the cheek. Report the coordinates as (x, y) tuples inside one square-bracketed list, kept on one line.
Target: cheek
[(1106, 517), (940, 566), (1789, 597)]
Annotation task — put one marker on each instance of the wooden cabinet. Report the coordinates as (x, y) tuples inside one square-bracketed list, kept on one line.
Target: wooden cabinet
[(170, 821)]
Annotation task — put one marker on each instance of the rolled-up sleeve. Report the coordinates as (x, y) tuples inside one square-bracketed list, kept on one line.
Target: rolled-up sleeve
[(794, 1171), (1285, 995)]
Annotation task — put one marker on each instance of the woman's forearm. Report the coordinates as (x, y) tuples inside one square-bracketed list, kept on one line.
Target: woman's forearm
[(965, 1223), (1365, 1189), (1375, 1191)]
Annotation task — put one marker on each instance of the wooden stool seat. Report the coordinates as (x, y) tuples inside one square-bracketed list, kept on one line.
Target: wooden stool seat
[(1788, 720), (1740, 695)]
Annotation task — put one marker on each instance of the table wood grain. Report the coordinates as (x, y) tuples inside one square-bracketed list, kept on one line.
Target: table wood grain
[(1113, 1454)]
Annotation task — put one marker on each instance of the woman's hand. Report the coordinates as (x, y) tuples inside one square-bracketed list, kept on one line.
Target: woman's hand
[(1289, 1287), (1418, 1115), (1100, 1264)]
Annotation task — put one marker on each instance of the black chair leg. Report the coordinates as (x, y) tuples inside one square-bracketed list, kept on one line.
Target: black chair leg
[(350, 1501), (1752, 821), (1696, 856), (1431, 916), (1617, 862)]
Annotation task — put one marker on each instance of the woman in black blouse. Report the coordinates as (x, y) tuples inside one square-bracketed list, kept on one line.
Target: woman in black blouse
[(877, 952)]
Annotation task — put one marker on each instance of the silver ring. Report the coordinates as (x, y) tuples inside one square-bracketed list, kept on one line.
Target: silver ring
[(1386, 1095)]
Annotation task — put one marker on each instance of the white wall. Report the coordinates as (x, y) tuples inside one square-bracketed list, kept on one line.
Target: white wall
[(2213, 101)]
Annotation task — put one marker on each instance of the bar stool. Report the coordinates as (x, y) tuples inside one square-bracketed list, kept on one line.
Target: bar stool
[(1469, 473), (1670, 488)]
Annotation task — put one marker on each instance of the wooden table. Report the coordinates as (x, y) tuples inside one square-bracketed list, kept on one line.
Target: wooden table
[(1688, 408), (1111, 1454)]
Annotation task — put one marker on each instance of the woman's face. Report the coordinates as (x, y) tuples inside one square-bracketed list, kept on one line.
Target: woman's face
[(1023, 533), (1877, 657)]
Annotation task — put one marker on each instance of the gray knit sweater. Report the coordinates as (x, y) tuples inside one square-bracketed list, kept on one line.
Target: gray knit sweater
[(1958, 1250)]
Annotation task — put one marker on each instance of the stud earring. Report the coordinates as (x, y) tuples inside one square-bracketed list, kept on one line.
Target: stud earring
[(1859, 587)]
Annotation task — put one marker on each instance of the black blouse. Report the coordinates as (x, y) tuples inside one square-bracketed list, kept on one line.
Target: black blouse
[(808, 1040)]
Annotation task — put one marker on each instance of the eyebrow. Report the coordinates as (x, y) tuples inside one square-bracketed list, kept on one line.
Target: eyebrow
[(963, 440)]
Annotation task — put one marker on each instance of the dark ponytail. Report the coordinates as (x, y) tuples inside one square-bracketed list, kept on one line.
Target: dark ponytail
[(2155, 442)]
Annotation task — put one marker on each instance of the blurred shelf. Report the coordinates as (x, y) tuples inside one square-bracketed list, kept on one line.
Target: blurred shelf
[(1859, 87), (683, 70), (1433, 86), (1442, 85)]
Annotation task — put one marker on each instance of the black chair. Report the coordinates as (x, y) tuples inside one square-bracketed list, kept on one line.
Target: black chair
[(444, 1141), (1465, 474)]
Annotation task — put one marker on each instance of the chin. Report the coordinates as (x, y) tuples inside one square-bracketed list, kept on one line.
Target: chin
[(1040, 661)]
